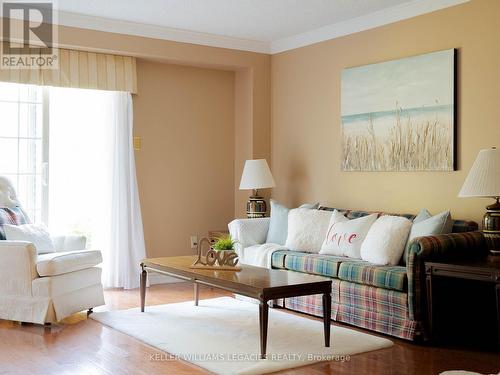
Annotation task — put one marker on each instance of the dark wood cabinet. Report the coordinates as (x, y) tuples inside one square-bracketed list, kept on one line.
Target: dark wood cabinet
[(463, 300)]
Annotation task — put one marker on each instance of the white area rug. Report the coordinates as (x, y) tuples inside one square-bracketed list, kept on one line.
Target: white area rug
[(222, 336)]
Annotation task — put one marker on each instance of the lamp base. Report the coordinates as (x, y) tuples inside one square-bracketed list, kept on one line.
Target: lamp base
[(495, 253), (491, 228), (256, 206)]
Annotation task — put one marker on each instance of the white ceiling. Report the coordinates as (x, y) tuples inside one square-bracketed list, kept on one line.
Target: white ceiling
[(261, 20), (257, 25)]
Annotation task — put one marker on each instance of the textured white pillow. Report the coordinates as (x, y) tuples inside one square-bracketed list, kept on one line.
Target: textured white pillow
[(307, 229), (385, 242), (37, 234), (344, 237)]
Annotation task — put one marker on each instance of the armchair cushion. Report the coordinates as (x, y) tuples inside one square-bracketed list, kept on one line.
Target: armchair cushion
[(69, 243), (54, 264)]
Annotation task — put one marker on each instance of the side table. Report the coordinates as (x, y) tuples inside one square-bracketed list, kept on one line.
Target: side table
[(472, 270)]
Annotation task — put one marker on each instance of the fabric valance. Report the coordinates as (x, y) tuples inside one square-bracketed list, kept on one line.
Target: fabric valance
[(81, 69)]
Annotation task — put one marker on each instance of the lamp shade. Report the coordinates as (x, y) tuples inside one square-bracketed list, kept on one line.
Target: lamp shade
[(256, 175), (484, 177)]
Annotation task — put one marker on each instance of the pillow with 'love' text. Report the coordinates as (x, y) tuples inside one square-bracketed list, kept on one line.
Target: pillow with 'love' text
[(344, 237)]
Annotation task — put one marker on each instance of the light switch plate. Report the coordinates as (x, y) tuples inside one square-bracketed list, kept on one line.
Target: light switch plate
[(194, 242), (137, 143)]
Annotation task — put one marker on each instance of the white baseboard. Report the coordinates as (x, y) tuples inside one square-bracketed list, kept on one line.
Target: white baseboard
[(158, 278)]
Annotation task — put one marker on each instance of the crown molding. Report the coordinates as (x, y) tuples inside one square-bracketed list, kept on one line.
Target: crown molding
[(369, 21), (160, 32)]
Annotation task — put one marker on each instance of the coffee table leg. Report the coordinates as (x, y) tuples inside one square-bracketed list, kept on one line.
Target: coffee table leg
[(144, 277), (263, 317), (196, 293), (327, 315)]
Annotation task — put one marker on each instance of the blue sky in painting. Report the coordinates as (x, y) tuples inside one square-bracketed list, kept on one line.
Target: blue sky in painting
[(425, 80)]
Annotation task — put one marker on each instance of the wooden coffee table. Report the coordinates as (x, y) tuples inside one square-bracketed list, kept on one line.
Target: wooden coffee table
[(260, 283)]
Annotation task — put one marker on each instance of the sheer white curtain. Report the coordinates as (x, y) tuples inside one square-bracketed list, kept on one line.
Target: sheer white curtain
[(126, 248), (92, 179)]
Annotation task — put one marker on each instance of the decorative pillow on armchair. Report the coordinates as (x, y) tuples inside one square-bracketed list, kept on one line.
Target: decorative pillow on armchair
[(385, 242), (12, 216), (344, 237), (307, 229), (38, 235)]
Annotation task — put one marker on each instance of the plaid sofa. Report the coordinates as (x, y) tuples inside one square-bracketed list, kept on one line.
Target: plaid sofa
[(386, 299)]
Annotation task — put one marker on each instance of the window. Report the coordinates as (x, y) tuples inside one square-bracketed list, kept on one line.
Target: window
[(70, 128), (24, 146), (81, 140)]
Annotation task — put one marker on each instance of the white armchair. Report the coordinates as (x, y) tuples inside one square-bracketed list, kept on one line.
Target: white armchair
[(48, 287)]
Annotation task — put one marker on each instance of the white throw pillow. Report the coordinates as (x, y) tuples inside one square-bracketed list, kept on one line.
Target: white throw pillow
[(278, 226), (385, 242), (344, 237), (37, 234), (307, 229)]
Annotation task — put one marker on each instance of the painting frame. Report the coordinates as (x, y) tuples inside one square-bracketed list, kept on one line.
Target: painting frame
[(371, 131)]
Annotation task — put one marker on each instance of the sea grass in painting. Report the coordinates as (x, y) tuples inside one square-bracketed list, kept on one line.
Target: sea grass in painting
[(399, 115)]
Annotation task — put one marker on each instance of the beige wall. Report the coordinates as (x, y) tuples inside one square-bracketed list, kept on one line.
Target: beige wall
[(252, 70), (243, 135), (185, 169), (252, 92), (306, 113), (194, 122), (221, 95)]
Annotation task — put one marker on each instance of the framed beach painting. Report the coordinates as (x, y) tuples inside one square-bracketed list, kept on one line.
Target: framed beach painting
[(400, 115)]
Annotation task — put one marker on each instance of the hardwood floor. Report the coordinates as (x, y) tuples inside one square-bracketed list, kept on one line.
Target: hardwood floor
[(83, 346)]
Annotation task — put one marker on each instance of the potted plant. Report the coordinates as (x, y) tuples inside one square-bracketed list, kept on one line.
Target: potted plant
[(224, 246)]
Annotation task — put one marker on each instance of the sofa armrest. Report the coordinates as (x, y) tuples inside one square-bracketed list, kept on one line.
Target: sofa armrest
[(17, 267), (448, 246), (69, 243), (440, 248), (248, 232)]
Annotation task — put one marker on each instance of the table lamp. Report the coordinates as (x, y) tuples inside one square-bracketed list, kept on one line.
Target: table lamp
[(256, 175), (484, 181)]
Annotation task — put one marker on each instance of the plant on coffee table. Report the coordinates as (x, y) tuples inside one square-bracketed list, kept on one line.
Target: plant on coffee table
[(224, 243)]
